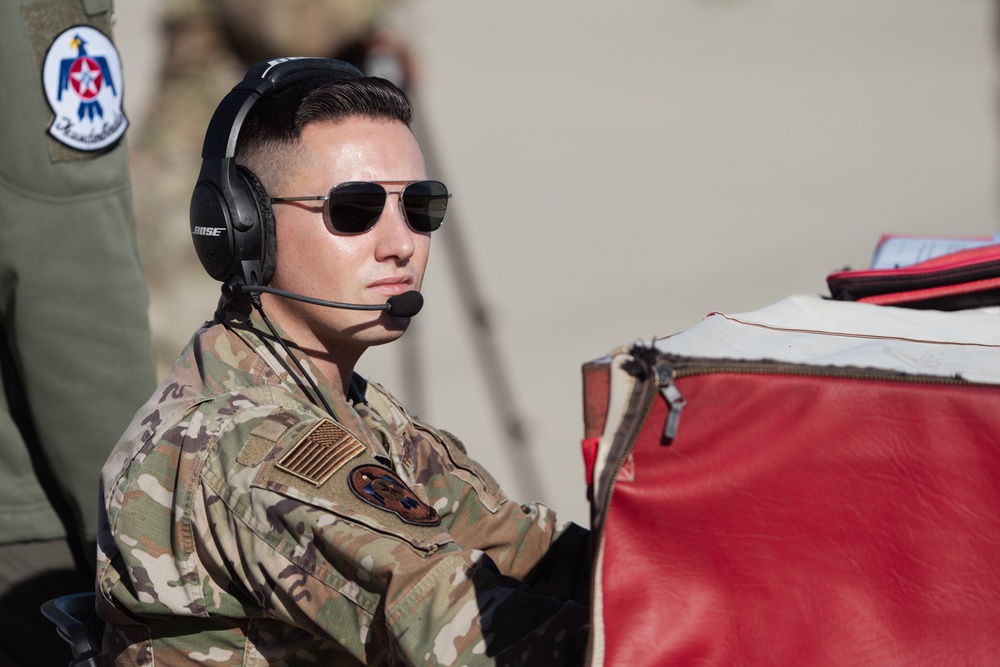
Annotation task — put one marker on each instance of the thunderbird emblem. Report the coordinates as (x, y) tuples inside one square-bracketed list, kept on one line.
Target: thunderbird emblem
[(82, 77)]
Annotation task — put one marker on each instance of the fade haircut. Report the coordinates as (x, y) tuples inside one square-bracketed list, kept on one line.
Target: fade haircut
[(269, 139)]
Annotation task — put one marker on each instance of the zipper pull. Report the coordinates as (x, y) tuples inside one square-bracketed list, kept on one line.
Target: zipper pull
[(675, 402)]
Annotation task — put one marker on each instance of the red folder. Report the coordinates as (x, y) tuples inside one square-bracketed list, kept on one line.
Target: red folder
[(956, 281)]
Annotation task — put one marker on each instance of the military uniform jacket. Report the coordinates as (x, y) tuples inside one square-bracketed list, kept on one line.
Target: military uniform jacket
[(243, 525)]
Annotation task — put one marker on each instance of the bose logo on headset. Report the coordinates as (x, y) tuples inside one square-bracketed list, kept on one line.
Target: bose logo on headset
[(208, 231), (232, 224)]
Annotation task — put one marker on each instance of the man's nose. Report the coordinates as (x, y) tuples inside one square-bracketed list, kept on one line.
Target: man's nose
[(395, 237)]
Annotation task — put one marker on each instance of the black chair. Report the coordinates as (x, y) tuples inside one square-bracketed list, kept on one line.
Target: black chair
[(77, 622)]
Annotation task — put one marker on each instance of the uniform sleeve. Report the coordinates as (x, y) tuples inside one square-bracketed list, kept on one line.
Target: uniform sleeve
[(384, 584), (526, 542)]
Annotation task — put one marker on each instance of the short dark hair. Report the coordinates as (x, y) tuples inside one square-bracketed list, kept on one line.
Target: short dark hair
[(273, 126)]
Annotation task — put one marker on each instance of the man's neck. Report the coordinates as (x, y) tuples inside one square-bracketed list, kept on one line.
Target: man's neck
[(333, 359), (335, 373)]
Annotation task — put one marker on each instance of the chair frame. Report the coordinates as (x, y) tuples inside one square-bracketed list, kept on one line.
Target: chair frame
[(76, 620)]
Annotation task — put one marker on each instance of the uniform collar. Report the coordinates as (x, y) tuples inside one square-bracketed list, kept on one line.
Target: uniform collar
[(351, 412)]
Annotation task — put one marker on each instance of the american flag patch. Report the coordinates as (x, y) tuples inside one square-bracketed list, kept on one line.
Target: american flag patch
[(321, 452)]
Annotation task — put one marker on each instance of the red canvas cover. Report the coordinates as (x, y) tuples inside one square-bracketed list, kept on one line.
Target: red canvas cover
[(760, 510)]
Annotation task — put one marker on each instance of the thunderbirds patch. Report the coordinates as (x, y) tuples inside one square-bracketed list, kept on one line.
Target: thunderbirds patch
[(82, 78), (381, 488)]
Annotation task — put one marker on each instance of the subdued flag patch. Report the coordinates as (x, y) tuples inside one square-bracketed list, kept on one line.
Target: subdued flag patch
[(321, 452)]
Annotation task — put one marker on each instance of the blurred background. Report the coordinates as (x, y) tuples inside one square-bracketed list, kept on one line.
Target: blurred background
[(620, 170)]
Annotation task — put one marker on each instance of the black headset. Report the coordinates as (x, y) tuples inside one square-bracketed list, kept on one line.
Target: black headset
[(232, 224)]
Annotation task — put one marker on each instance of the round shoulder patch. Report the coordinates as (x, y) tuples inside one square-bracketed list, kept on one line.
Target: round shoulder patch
[(82, 78), (382, 488)]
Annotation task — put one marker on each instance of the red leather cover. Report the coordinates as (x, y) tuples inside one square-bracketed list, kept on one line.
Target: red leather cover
[(807, 520)]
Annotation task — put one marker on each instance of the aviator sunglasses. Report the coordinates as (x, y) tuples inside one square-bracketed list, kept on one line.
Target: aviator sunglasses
[(354, 207)]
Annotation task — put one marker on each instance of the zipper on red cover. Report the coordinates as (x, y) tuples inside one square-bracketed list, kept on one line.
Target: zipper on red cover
[(667, 369), (672, 395), (696, 366)]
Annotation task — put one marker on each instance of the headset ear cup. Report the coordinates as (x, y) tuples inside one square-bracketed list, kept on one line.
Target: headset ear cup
[(268, 238), (232, 223), (211, 230)]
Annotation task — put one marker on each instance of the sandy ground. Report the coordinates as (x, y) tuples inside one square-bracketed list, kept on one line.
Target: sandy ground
[(622, 169)]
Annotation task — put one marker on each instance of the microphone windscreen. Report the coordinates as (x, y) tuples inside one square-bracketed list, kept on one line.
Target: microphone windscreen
[(406, 304)]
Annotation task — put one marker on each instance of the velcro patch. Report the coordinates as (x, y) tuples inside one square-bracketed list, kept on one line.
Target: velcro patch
[(82, 78), (381, 488), (321, 452)]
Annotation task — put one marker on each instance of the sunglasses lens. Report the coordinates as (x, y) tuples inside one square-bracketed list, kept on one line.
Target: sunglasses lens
[(355, 207), (425, 203)]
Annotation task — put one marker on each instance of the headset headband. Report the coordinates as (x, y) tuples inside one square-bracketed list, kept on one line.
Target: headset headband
[(231, 219), (263, 78)]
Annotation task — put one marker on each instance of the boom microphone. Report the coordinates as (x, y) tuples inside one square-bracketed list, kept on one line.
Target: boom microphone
[(406, 304)]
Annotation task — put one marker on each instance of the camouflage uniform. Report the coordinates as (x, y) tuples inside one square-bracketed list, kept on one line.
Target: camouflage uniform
[(244, 526)]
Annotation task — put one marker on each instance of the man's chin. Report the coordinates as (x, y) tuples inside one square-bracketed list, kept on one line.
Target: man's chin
[(388, 330)]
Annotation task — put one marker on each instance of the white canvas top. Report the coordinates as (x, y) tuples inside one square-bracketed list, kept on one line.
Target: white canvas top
[(809, 329)]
